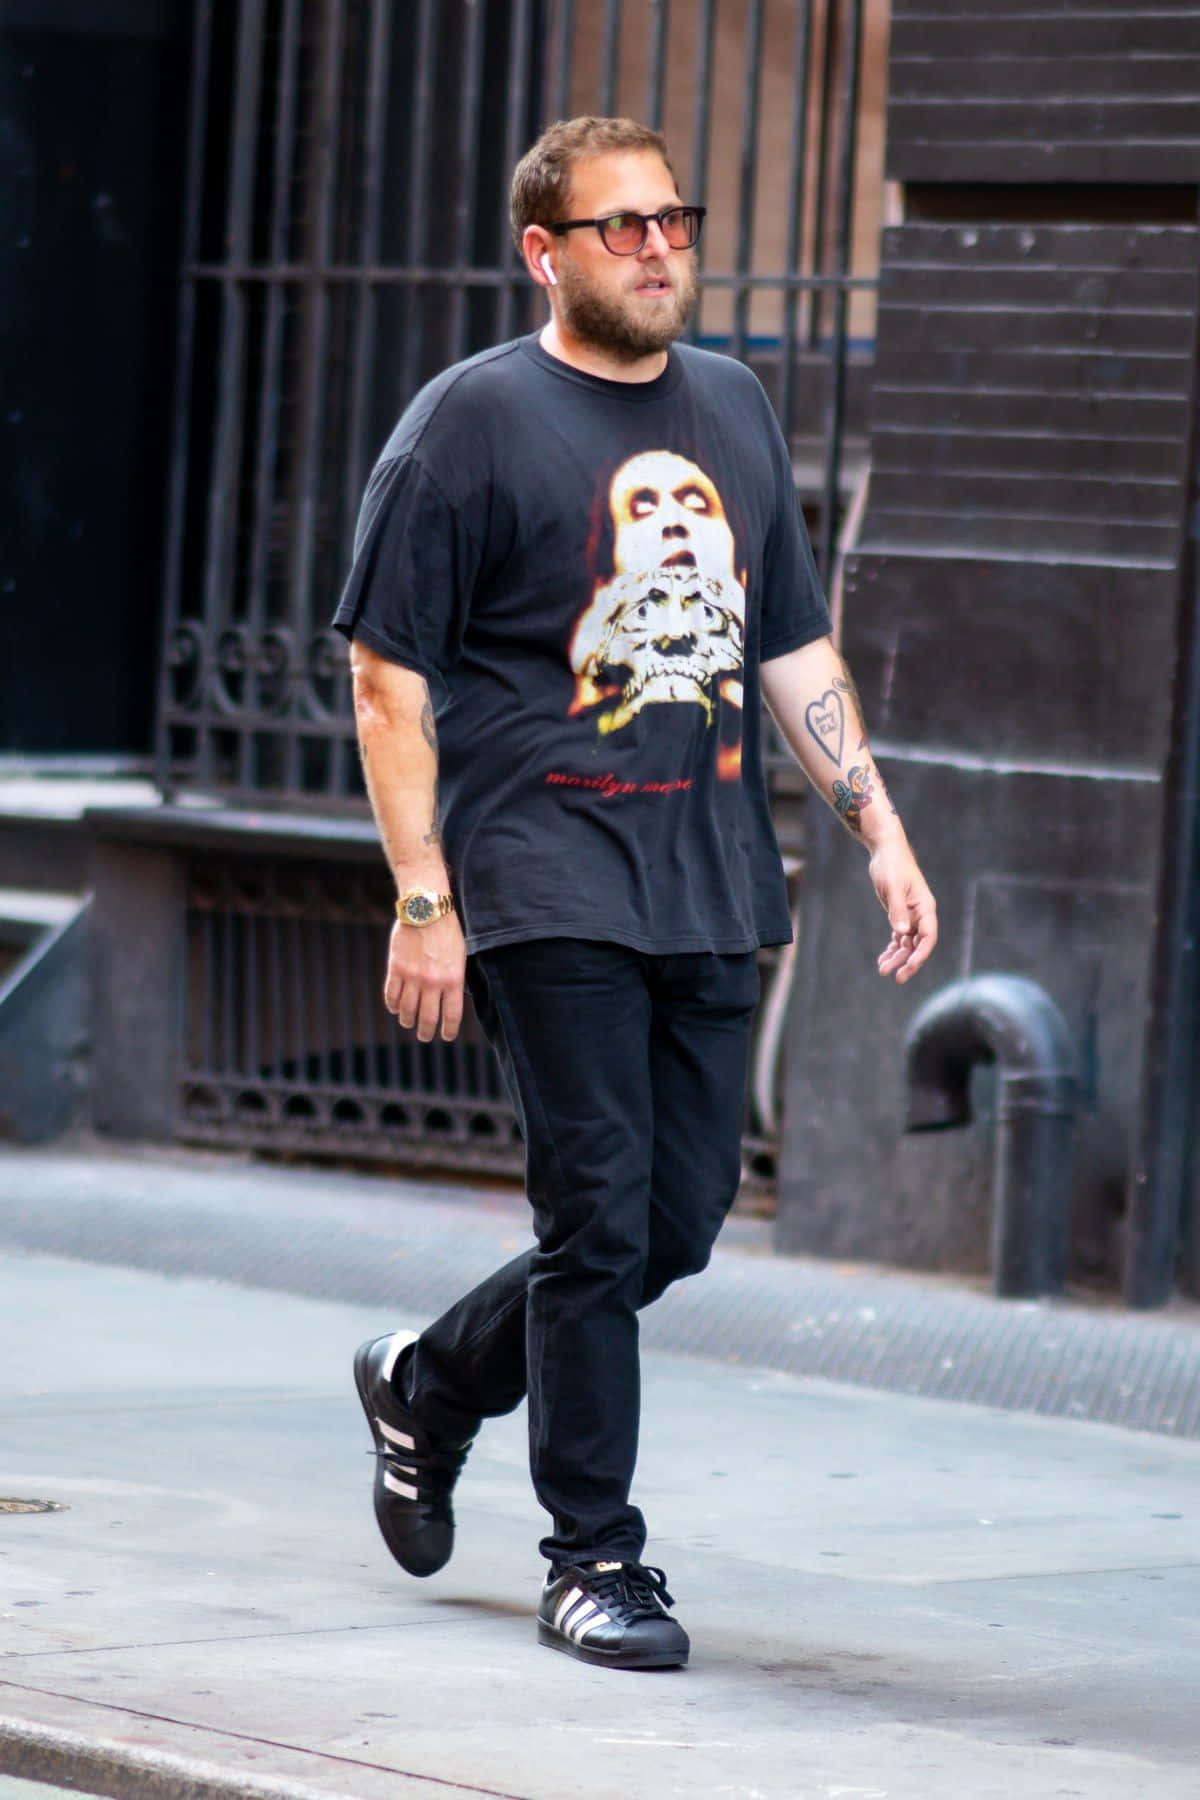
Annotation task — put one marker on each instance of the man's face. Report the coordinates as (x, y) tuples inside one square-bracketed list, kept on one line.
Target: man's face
[(630, 306), (666, 511)]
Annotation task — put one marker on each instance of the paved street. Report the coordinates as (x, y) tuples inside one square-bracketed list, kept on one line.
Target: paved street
[(890, 1597)]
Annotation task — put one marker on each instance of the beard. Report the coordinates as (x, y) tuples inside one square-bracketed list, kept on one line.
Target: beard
[(615, 324)]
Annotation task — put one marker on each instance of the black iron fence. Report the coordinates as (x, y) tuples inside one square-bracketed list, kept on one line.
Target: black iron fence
[(285, 1040), (345, 238)]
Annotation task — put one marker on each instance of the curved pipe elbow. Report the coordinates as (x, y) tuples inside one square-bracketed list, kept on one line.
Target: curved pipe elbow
[(1002, 1019)]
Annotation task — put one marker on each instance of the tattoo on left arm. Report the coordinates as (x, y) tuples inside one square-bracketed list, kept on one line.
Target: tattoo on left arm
[(428, 727), (850, 797), (845, 684), (434, 834), (825, 721)]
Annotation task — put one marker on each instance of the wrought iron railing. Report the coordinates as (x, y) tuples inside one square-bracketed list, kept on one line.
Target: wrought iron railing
[(285, 1039)]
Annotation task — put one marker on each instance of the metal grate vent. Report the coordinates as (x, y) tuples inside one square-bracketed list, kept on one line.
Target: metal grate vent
[(287, 1045)]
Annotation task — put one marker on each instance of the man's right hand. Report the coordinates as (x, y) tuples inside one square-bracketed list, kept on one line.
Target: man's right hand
[(424, 982)]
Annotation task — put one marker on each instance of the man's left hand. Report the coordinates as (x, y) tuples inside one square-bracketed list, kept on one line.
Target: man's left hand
[(907, 900)]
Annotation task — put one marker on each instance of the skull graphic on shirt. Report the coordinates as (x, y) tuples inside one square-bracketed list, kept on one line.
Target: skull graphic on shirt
[(672, 633)]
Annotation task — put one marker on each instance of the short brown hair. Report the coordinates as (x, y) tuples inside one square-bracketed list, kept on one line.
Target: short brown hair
[(541, 183)]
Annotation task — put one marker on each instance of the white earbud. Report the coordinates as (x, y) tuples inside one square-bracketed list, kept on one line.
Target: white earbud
[(547, 271)]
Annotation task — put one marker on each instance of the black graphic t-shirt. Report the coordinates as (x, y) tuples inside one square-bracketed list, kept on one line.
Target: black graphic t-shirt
[(589, 573)]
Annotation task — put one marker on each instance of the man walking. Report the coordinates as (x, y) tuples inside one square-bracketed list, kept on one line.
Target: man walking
[(579, 569)]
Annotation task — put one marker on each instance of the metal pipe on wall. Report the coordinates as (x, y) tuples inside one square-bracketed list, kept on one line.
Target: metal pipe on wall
[(1013, 1023), (1163, 1226)]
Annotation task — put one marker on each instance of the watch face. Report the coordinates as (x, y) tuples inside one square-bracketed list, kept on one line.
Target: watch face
[(419, 909)]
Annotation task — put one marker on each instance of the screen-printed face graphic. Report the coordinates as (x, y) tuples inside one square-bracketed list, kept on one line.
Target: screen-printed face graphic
[(669, 627), (666, 510)]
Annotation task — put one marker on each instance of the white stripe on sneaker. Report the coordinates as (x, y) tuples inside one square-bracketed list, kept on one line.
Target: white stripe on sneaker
[(393, 1436), (583, 1628), (564, 1606), (577, 1616), (399, 1487)]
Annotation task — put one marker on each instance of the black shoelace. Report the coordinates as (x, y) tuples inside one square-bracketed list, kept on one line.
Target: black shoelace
[(640, 1592)]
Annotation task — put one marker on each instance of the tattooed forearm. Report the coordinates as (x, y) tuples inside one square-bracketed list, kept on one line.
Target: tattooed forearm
[(850, 797), (845, 684), (428, 728), (825, 721), (434, 834)]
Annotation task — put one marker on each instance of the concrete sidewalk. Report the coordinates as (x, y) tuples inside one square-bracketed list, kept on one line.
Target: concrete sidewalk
[(890, 1597)]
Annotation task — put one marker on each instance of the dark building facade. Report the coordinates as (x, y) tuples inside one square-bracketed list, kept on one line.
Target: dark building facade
[(1019, 612), (91, 179)]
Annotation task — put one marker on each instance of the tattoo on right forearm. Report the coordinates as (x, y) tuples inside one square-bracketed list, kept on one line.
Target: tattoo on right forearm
[(428, 726)]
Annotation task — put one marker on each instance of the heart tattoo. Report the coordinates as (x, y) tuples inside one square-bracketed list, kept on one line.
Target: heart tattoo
[(826, 722)]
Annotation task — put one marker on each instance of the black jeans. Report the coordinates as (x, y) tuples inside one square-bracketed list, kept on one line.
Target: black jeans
[(628, 1072)]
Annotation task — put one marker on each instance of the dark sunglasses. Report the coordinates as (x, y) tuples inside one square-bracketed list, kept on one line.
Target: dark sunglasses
[(625, 233)]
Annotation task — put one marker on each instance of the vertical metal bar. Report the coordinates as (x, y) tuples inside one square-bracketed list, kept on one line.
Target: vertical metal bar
[(223, 489), (277, 242), (842, 252), (563, 59), (420, 141), (658, 56), (252, 1057), (297, 990), (608, 57), (229, 1065), (225, 472), (363, 351), (364, 996), (824, 136), (701, 125), (343, 1000), (702, 101), (1163, 1231), (274, 959), (751, 88), (208, 1057), (801, 60), (270, 374), (468, 159), (518, 66), (173, 560), (314, 371), (318, 993)]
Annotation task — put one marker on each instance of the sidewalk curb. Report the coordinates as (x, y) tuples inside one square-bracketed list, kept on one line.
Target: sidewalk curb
[(98, 1765)]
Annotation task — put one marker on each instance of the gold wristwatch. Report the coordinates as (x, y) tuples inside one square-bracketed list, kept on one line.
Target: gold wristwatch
[(421, 906)]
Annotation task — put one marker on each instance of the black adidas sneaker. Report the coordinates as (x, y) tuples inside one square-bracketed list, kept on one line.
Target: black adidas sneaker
[(414, 1472), (613, 1614)]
